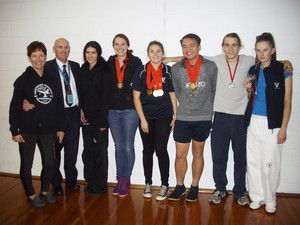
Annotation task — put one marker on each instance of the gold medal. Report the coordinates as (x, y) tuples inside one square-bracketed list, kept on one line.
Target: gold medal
[(120, 85), (149, 92), (193, 86)]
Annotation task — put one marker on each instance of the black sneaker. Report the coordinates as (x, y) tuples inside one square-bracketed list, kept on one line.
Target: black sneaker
[(48, 198), (192, 195), (36, 202), (177, 193), (57, 190)]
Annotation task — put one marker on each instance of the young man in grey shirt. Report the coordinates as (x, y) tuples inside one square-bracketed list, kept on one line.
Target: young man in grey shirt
[(194, 80)]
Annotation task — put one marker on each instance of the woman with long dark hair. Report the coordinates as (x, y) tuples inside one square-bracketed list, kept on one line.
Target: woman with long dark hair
[(95, 90)]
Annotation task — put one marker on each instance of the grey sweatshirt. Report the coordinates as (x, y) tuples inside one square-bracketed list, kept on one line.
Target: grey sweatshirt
[(195, 105)]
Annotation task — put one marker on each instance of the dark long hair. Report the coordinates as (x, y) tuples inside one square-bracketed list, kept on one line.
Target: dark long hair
[(268, 37), (95, 45)]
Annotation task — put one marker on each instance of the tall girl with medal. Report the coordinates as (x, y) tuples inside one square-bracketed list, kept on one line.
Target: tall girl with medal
[(155, 102), (122, 117)]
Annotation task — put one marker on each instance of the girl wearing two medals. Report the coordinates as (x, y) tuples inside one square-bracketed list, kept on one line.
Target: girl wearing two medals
[(155, 102)]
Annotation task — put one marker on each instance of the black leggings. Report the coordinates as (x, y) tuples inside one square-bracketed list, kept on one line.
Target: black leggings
[(26, 150), (156, 140)]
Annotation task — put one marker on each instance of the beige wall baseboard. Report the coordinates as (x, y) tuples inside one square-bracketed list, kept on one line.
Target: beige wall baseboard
[(136, 186)]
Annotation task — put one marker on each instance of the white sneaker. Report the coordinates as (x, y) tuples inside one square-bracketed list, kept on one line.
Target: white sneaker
[(148, 191), (163, 193), (270, 208), (256, 205)]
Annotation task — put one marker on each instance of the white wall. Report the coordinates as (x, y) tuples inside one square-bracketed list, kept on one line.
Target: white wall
[(22, 21)]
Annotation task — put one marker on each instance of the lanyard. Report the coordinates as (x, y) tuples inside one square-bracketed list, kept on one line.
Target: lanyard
[(236, 65), (67, 80)]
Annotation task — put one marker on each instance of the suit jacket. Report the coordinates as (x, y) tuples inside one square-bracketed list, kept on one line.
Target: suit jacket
[(52, 68)]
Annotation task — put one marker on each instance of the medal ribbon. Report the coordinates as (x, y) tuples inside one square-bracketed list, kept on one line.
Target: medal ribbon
[(156, 82), (195, 71), (120, 71), (236, 65)]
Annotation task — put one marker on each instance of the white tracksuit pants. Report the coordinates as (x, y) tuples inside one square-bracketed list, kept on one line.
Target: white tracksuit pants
[(263, 161)]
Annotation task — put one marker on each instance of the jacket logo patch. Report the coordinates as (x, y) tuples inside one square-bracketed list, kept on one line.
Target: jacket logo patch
[(276, 86), (43, 94)]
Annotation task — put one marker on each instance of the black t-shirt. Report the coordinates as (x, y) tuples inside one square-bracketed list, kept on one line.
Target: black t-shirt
[(154, 107)]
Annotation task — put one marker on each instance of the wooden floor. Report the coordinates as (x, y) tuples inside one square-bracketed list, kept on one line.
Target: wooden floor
[(77, 208)]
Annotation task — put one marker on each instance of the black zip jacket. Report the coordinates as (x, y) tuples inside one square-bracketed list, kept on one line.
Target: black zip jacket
[(95, 87), (43, 92), (122, 98), (275, 91)]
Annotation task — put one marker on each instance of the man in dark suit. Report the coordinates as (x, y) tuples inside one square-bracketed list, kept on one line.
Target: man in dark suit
[(67, 72)]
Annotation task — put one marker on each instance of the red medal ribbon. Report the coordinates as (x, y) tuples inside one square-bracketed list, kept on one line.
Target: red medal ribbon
[(154, 81), (236, 65), (195, 71), (120, 71)]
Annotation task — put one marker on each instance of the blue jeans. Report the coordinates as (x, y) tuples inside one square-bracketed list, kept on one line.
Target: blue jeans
[(123, 125)]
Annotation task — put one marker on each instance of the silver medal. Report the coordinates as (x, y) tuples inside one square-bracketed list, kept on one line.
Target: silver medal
[(231, 85), (160, 92), (155, 93)]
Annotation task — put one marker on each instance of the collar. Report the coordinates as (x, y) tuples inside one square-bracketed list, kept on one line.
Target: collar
[(60, 64)]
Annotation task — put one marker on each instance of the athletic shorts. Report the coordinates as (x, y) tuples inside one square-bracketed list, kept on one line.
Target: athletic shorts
[(185, 131)]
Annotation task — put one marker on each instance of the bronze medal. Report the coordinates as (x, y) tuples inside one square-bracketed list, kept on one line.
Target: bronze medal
[(120, 85), (193, 86)]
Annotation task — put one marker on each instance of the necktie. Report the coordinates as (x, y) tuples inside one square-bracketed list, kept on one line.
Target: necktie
[(69, 96)]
